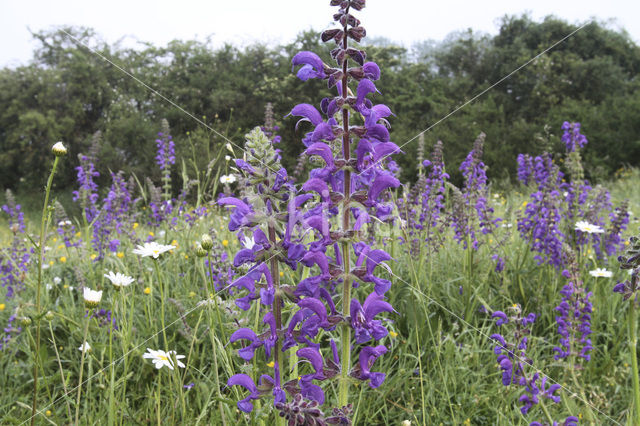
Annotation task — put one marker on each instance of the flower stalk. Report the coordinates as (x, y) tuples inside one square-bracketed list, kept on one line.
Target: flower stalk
[(58, 150)]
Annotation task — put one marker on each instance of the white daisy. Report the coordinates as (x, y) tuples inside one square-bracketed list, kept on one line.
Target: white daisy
[(583, 226), (119, 280), (161, 358), (57, 280), (84, 347), (601, 272), (152, 249), (227, 178), (91, 297)]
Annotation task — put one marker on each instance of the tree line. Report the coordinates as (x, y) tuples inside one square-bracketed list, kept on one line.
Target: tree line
[(68, 93)]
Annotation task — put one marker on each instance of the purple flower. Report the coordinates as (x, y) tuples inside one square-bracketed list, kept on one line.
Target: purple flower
[(247, 352), (368, 356), (312, 65), (362, 318), (572, 137), (247, 383), (502, 317)]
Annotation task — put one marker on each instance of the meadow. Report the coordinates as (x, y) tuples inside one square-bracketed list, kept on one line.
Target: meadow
[(334, 293)]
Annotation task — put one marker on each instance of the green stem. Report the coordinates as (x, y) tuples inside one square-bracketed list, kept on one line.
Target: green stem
[(62, 378), (84, 339), (112, 378), (161, 285), (43, 224), (345, 329), (212, 295), (634, 358), (213, 338), (546, 412), (277, 313)]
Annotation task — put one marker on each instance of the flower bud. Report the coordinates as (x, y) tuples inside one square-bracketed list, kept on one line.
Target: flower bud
[(206, 242), (25, 321), (49, 316), (200, 252), (59, 149)]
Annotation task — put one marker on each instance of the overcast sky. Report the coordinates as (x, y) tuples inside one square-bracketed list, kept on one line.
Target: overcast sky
[(244, 21)]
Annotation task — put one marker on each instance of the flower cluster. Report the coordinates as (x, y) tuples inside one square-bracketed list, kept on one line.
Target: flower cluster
[(318, 229), (514, 363), (474, 208), (556, 205), (572, 137), (165, 157), (574, 319), (422, 208), (540, 223), (15, 260), (630, 261), (87, 193), (116, 216)]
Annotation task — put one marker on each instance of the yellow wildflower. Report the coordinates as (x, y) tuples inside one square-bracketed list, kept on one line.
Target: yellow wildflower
[(61, 246), (51, 262), (281, 274), (225, 243), (147, 290), (393, 334), (93, 256), (2, 306), (151, 233), (55, 239), (174, 243), (120, 255), (192, 294), (135, 225), (78, 234), (48, 413), (271, 364)]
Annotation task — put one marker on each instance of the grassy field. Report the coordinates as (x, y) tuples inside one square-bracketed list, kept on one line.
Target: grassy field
[(440, 367)]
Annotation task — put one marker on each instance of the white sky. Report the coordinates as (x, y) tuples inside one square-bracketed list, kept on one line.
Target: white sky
[(243, 21)]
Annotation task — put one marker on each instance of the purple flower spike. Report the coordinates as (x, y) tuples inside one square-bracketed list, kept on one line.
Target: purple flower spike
[(247, 383), (313, 67)]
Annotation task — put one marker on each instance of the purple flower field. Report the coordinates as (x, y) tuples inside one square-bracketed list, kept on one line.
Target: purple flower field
[(338, 292)]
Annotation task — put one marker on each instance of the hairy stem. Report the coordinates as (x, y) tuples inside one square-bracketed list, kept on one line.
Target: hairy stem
[(43, 225), (345, 330), (277, 312)]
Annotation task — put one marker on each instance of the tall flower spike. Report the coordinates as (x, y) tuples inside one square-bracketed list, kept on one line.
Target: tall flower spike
[(351, 190)]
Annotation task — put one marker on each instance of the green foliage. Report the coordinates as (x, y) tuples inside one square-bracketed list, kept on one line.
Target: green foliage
[(68, 93)]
